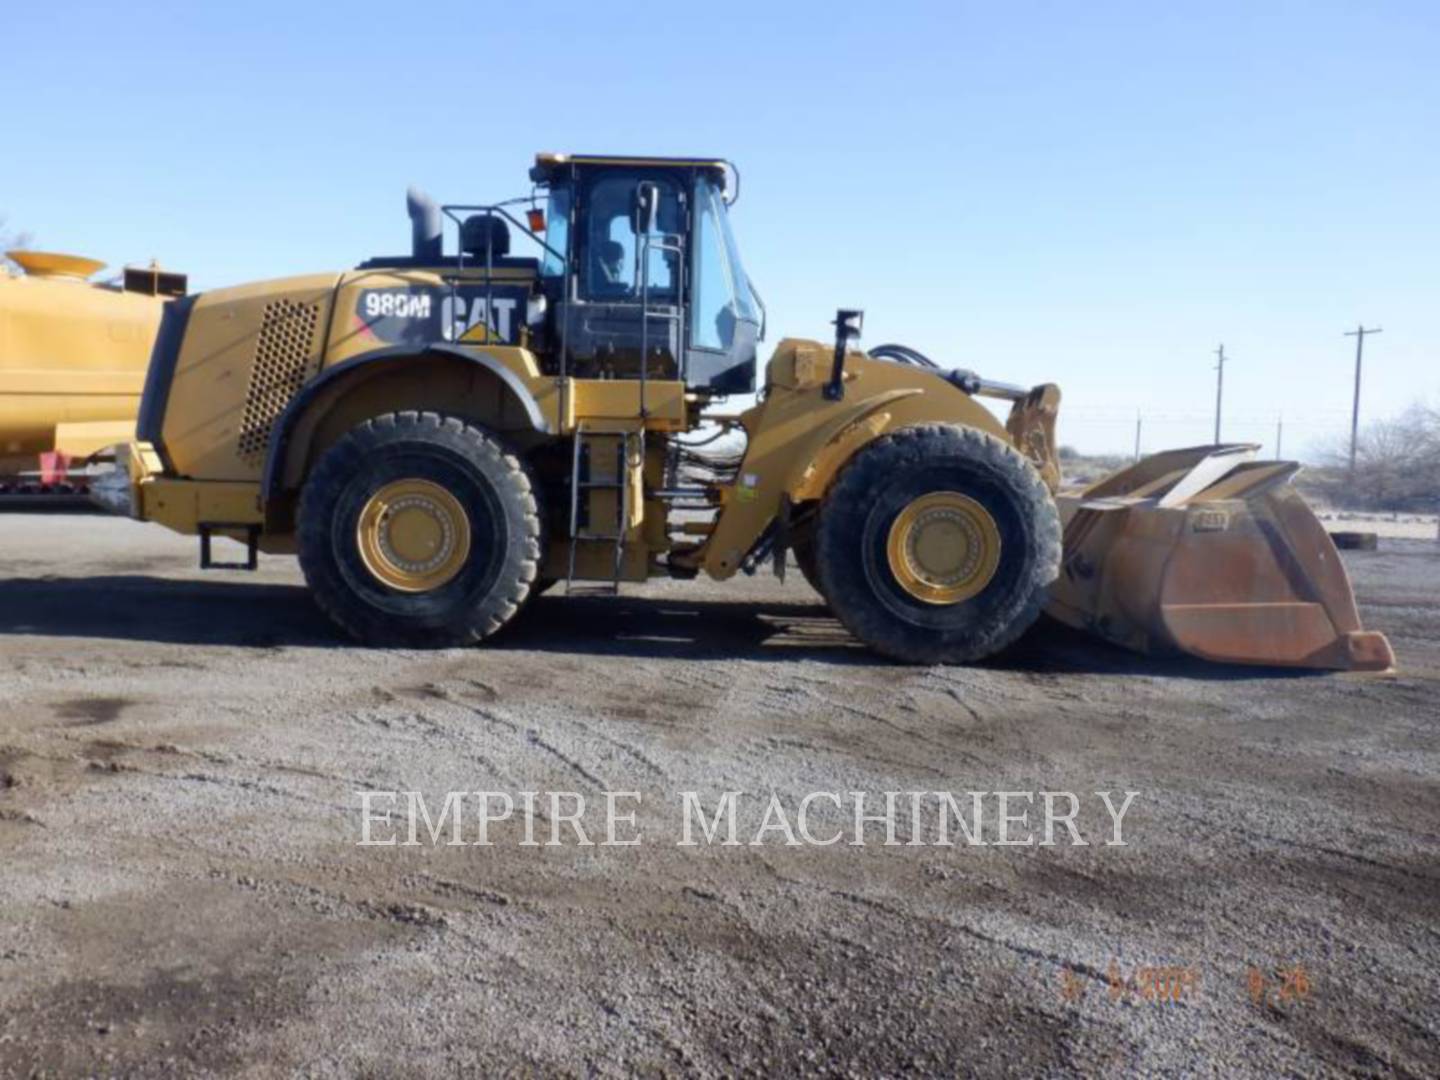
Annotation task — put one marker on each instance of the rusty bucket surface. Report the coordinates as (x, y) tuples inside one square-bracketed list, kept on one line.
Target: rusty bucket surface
[(1209, 552)]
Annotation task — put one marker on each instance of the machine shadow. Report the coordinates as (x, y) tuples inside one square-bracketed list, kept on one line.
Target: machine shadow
[(190, 612), (137, 607), (33, 505)]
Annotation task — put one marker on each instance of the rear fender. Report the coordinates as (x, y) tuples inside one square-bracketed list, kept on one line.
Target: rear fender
[(290, 438)]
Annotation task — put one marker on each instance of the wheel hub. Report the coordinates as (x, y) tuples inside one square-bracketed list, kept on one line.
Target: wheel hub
[(943, 548), (413, 535)]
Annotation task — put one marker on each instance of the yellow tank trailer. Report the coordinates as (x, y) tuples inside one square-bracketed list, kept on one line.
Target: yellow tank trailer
[(443, 434), (73, 355)]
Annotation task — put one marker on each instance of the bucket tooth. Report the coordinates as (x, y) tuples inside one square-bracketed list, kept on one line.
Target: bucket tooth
[(1207, 552)]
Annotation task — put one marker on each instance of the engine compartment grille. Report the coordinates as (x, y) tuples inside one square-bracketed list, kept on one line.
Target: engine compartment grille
[(285, 356)]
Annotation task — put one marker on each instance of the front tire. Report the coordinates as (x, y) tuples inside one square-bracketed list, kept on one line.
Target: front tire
[(803, 548), (417, 529), (937, 544)]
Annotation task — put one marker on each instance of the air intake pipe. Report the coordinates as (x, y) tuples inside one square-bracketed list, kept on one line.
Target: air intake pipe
[(426, 243)]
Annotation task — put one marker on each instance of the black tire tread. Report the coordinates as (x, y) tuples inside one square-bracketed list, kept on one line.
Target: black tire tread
[(912, 447), (341, 460), (803, 548)]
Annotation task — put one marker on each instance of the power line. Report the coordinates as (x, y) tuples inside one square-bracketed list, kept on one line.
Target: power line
[(1219, 389), (1359, 335)]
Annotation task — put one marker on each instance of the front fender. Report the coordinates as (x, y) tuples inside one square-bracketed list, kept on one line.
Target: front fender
[(799, 440)]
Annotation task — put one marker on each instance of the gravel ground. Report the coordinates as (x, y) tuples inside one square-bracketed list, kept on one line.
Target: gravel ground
[(183, 893)]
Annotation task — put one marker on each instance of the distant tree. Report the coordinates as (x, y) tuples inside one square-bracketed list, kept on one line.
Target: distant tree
[(1427, 455), (9, 241), (1397, 464)]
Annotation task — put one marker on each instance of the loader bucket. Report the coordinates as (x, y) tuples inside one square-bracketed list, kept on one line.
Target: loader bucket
[(1208, 552)]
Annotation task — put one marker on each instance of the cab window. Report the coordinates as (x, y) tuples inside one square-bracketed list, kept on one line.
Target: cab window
[(611, 268), (557, 233), (716, 307)]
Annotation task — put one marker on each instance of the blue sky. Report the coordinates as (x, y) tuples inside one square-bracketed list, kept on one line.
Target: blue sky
[(1092, 194)]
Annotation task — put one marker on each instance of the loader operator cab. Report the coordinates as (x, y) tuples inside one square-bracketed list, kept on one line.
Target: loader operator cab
[(642, 275)]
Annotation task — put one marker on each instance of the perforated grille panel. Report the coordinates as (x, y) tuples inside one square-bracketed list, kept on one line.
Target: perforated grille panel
[(284, 352)]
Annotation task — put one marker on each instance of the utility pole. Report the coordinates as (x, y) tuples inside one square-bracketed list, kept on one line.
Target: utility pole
[(1359, 335), (1137, 434), (1279, 434), (1219, 389)]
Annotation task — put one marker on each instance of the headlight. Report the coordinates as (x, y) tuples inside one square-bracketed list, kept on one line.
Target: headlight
[(535, 309)]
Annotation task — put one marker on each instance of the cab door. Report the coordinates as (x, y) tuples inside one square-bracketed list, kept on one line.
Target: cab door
[(630, 283)]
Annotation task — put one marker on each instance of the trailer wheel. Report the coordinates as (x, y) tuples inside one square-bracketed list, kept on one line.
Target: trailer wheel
[(418, 529), (937, 544)]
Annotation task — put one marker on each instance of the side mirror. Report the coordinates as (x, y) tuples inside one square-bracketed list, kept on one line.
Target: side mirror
[(647, 208)]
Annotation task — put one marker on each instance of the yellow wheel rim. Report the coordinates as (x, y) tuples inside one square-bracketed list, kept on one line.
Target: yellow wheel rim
[(413, 535), (943, 548)]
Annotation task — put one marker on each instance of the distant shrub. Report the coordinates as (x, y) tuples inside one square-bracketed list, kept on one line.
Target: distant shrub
[(1397, 465)]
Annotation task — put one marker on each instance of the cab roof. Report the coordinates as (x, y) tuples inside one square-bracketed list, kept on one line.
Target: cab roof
[(548, 166), (547, 163)]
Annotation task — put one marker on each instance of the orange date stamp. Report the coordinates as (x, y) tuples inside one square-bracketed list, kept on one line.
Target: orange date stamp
[(1156, 984), (1172, 984), (1284, 986)]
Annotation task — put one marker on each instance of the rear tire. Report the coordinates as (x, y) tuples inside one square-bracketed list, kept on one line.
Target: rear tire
[(463, 561), (993, 544)]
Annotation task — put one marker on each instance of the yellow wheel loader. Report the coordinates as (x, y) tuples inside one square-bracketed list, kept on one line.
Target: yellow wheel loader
[(441, 435)]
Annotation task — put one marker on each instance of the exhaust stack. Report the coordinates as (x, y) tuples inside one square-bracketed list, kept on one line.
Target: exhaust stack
[(426, 238)]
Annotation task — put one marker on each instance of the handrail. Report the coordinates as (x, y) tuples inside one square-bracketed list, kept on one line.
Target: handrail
[(647, 245), (453, 212)]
